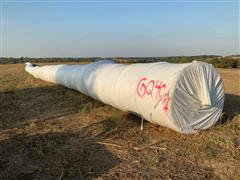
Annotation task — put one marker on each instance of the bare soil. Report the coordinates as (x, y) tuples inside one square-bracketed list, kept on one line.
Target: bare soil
[(51, 132)]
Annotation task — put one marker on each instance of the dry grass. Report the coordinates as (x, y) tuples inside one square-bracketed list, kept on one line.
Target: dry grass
[(51, 132)]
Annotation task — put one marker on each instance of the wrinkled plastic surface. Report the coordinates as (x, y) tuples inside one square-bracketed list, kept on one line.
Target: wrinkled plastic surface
[(184, 97)]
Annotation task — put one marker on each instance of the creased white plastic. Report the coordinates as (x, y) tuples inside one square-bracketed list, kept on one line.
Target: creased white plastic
[(184, 97)]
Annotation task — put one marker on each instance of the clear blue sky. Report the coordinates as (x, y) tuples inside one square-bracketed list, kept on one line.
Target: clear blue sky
[(80, 29)]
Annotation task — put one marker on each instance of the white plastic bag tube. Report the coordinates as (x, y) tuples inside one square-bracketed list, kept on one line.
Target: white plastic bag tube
[(184, 97)]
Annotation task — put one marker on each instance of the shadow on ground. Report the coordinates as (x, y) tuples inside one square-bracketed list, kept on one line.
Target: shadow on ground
[(231, 106), (17, 107), (54, 156)]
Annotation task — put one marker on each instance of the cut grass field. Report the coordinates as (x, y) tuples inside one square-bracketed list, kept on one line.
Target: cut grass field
[(51, 132)]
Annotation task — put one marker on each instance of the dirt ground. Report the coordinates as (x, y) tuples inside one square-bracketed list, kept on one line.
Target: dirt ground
[(51, 132)]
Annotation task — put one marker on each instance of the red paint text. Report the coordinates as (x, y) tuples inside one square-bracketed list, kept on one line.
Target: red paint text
[(154, 88)]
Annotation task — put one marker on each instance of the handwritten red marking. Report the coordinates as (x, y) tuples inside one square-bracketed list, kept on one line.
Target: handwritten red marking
[(141, 87), (165, 101), (151, 88), (159, 86)]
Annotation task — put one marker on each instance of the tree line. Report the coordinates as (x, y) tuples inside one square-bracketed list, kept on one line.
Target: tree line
[(217, 61)]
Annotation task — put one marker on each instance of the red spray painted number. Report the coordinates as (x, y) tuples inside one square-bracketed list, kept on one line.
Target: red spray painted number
[(155, 89)]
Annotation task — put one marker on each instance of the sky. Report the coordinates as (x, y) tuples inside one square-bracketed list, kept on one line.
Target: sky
[(118, 28)]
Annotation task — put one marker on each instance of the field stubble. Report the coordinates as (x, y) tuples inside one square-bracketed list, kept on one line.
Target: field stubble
[(48, 131)]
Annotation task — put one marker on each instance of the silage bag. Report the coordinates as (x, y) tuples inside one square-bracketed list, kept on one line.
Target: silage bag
[(184, 97)]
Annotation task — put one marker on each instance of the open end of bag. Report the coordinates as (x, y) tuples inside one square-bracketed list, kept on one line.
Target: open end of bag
[(198, 98)]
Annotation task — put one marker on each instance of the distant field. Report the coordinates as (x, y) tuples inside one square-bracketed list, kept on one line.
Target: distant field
[(51, 132)]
